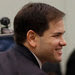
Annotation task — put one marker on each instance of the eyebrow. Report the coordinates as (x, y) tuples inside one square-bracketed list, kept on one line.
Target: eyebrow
[(59, 32)]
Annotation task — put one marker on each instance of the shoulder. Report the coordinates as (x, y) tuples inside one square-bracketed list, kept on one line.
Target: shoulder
[(30, 69), (5, 56), (22, 65), (14, 61)]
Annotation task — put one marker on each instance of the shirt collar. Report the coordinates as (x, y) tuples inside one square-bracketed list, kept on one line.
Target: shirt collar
[(39, 62)]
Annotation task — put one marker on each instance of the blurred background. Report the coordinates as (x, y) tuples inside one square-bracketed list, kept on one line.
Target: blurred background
[(9, 8)]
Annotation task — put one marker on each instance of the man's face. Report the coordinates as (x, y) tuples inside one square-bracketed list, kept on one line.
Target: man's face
[(49, 46)]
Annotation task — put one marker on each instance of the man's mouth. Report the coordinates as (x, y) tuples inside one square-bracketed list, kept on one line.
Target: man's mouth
[(59, 51)]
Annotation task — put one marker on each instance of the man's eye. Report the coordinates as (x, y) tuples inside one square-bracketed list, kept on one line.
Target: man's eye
[(56, 36)]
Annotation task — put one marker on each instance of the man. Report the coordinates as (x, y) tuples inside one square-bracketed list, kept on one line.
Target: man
[(38, 32)]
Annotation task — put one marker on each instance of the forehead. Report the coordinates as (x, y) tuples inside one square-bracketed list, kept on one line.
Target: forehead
[(56, 25)]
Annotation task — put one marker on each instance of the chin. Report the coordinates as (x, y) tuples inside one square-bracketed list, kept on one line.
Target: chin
[(59, 60), (55, 61)]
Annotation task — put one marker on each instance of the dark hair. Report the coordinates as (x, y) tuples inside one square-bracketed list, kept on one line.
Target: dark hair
[(34, 16)]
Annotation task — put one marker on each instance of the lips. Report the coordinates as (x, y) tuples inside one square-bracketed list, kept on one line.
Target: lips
[(59, 51)]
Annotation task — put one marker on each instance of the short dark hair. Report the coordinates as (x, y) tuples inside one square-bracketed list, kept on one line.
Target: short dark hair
[(34, 16)]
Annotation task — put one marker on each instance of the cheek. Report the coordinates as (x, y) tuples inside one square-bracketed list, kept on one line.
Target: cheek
[(48, 46), (51, 46), (54, 42)]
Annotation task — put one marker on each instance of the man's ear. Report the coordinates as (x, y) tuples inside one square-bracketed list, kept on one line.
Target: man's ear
[(31, 38)]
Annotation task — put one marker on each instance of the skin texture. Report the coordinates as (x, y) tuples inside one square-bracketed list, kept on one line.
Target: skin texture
[(48, 48)]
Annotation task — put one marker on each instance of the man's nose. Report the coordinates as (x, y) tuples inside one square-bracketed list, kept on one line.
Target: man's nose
[(63, 42)]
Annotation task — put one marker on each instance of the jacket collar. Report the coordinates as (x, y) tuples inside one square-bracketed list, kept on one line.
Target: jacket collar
[(26, 52)]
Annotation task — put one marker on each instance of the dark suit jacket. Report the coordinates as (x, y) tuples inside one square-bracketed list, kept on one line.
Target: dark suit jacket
[(19, 61)]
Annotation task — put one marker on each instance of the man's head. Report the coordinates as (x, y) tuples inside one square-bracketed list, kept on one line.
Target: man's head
[(37, 26)]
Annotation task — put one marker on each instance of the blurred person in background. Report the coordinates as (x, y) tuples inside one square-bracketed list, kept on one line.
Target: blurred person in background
[(70, 67)]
